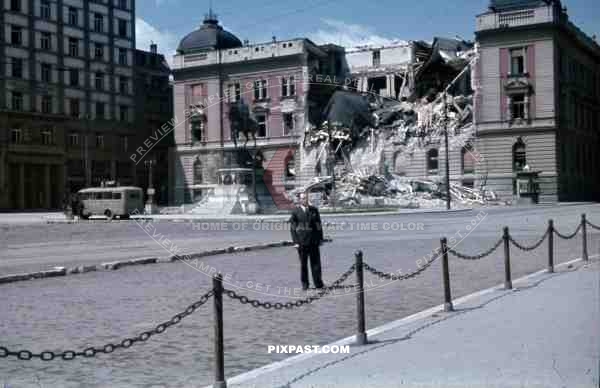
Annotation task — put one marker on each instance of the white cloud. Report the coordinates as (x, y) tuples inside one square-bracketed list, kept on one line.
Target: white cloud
[(146, 33), (349, 35)]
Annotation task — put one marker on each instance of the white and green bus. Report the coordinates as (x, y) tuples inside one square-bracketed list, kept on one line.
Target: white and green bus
[(110, 201)]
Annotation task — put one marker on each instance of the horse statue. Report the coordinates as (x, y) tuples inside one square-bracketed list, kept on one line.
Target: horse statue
[(240, 120)]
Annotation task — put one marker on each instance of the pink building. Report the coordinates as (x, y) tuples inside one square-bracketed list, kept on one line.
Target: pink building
[(223, 87)]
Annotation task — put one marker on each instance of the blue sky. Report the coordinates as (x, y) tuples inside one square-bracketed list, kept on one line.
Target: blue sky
[(345, 22)]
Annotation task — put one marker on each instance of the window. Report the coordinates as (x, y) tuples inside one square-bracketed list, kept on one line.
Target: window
[(100, 110), (99, 141), (124, 143), (123, 4), (73, 16), (98, 51), (48, 136), (517, 107), (122, 27), (234, 91), (197, 128), (519, 155), (47, 104), (16, 136), (46, 73), (122, 56), (376, 58), (260, 89), (288, 123), (123, 85), (288, 87), (123, 113), (15, 5), (16, 35), (468, 160), (261, 120), (517, 61), (17, 67), (73, 47), (17, 101), (45, 9), (46, 41), (74, 107), (74, 77), (98, 22), (116, 195), (432, 162), (73, 139), (197, 172), (99, 80)]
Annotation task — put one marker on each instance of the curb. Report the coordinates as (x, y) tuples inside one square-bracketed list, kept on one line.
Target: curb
[(116, 265)]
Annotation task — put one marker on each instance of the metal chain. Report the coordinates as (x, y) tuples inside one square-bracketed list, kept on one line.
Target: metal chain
[(592, 225), (110, 347), (391, 276), (479, 256), (530, 248), (298, 303), (569, 236)]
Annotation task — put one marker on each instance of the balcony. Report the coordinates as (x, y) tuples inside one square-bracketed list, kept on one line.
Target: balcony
[(517, 18)]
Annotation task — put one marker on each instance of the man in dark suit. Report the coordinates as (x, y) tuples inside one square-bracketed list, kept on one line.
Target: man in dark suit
[(307, 234)]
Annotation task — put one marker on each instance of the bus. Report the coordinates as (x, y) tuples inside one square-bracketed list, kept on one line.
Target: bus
[(110, 201)]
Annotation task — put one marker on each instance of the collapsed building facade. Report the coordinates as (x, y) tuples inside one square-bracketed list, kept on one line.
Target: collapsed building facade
[(366, 126)]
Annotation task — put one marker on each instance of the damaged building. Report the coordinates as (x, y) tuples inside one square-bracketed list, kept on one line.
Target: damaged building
[(245, 105)]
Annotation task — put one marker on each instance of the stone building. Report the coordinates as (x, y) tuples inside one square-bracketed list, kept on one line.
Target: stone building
[(66, 98), (278, 88), (537, 100), (153, 110)]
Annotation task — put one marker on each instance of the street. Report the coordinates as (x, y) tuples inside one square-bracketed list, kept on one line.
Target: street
[(92, 309)]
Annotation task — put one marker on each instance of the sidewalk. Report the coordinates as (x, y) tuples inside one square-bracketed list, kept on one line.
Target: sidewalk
[(544, 333)]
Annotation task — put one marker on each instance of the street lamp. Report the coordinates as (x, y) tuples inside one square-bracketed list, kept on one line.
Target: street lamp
[(447, 153), (150, 208)]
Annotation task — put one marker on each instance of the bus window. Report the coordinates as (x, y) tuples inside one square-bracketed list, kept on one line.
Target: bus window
[(116, 195), (106, 195), (134, 195), (83, 196)]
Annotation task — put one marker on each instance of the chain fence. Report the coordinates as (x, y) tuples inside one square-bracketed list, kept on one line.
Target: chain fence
[(298, 303), (592, 225), (532, 247), (89, 352), (392, 276), (568, 236), (479, 256)]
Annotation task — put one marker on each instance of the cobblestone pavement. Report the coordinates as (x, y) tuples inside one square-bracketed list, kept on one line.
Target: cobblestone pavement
[(95, 308)]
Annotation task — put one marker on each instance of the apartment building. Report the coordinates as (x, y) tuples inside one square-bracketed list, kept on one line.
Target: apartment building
[(537, 100), (66, 98)]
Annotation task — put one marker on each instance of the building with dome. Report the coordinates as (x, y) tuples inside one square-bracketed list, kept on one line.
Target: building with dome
[(224, 87)]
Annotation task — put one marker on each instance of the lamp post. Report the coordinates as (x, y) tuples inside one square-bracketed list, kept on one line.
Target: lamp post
[(150, 208), (447, 153)]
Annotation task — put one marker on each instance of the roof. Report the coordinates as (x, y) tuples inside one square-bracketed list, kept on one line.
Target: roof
[(507, 5), (210, 36)]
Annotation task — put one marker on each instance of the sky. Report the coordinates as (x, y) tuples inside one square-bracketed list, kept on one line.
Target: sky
[(345, 22)]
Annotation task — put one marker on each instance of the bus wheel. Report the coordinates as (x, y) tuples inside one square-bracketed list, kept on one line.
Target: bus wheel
[(83, 215), (108, 214)]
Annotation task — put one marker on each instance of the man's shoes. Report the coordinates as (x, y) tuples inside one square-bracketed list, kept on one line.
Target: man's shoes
[(304, 287), (320, 286)]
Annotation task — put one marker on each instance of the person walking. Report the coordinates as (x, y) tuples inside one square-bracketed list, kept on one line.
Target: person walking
[(307, 234)]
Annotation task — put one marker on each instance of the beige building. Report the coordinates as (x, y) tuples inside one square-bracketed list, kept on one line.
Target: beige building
[(537, 101), (66, 100)]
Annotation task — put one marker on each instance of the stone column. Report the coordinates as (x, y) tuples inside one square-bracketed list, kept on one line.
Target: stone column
[(21, 185)]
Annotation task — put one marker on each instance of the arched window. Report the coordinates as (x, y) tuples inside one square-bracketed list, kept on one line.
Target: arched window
[(432, 161), (197, 172), (468, 159), (519, 155)]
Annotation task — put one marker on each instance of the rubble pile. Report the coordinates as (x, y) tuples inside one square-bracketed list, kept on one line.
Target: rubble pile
[(399, 127)]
